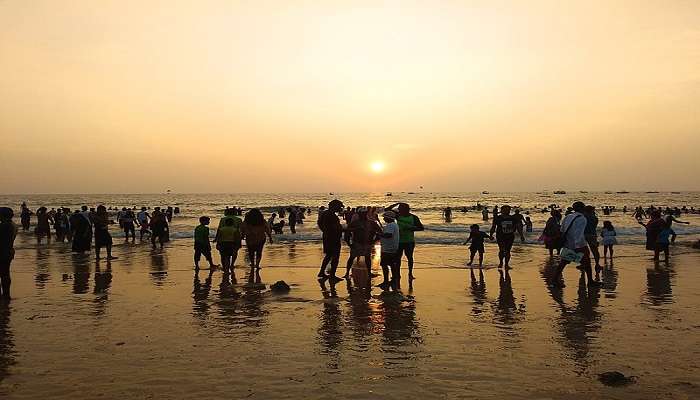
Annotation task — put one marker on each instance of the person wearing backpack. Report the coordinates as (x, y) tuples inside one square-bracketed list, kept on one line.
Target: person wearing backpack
[(574, 245)]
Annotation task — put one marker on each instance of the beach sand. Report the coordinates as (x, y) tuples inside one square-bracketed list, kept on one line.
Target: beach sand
[(144, 326)]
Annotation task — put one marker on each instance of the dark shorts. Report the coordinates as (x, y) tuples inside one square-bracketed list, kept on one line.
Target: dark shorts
[(474, 249), (388, 259), (228, 248), (505, 242), (102, 238), (129, 227), (661, 247), (331, 246)]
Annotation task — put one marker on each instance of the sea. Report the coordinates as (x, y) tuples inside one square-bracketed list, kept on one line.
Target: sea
[(428, 206)]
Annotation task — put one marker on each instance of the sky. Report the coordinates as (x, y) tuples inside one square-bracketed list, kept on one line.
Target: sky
[(306, 96)]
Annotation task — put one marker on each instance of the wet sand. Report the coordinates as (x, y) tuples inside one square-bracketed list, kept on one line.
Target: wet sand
[(144, 326)]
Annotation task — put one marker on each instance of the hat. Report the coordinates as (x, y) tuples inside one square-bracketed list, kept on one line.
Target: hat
[(389, 214)]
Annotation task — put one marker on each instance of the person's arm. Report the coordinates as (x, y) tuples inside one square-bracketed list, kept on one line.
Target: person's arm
[(268, 230), (519, 228), (417, 225), (673, 236), (390, 207), (493, 229), (468, 240)]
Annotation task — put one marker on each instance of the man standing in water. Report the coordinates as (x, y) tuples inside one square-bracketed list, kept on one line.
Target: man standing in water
[(8, 232), (505, 226), (332, 230), (591, 235), (408, 224), (573, 229)]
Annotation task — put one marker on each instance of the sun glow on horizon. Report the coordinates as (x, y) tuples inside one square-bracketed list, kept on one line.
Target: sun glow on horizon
[(377, 166)]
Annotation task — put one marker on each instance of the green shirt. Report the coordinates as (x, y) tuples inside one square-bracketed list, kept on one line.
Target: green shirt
[(406, 225), (201, 234)]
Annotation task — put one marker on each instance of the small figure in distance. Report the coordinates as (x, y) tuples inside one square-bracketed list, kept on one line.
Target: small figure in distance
[(476, 237), (202, 247)]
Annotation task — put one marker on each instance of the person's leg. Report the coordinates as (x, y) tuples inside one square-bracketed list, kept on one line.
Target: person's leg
[(605, 252), (611, 251), (197, 257), (335, 260), (472, 253), (258, 255), (501, 253), (225, 266), (666, 253), (97, 252), (481, 258), (153, 241), (207, 255), (656, 253), (234, 256), (322, 271), (348, 265), (109, 252), (587, 267), (506, 252), (410, 247), (5, 280)]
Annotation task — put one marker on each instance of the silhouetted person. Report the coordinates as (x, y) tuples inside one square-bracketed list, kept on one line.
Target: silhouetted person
[(574, 231), (81, 227), (476, 237), (408, 225), (159, 226), (143, 218), (332, 234), (102, 237), (363, 232), (592, 233), (655, 225), (608, 235), (505, 226), (43, 225), (25, 217), (202, 247), (292, 219), (552, 231), (8, 232), (228, 239), (255, 230)]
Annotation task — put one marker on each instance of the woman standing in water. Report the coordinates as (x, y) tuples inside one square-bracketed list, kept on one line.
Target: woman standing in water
[(552, 231), (81, 229), (8, 232), (102, 236), (43, 225), (255, 231), (25, 217)]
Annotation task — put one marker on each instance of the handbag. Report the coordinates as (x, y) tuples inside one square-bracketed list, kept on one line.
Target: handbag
[(560, 241)]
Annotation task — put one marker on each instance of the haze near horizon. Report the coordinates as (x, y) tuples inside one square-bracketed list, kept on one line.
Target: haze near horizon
[(221, 96)]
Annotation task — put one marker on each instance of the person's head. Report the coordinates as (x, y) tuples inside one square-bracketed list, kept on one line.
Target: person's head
[(335, 205), (254, 217), (84, 208), (362, 212), (274, 215), (474, 228), (389, 216), (527, 219), (608, 225), (123, 208), (157, 209), (656, 214), (101, 209), (505, 210), (404, 209), (578, 206), (143, 208), (6, 214), (590, 210), (516, 211), (230, 211), (204, 220)]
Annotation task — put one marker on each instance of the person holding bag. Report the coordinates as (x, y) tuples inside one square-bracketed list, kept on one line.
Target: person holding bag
[(574, 247)]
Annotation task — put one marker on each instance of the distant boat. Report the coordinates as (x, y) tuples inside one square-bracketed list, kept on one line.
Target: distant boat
[(608, 192), (675, 192), (410, 193), (167, 191), (389, 194), (652, 192), (484, 192), (583, 191), (559, 192), (622, 192), (330, 194)]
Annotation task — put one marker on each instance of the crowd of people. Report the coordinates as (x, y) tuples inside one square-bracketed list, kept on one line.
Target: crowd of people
[(573, 233)]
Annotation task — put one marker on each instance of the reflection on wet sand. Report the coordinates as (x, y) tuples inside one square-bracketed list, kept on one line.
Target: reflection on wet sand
[(43, 274), (241, 306), (478, 292), (159, 267), (200, 295), (659, 285), (103, 282), (507, 313), (7, 344), (330, 329), (81, 273)]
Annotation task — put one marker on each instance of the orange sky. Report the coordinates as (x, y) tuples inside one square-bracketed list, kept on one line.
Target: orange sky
[(225, 96)]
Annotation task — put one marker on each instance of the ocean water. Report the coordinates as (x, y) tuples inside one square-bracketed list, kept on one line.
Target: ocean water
[(428, 206)]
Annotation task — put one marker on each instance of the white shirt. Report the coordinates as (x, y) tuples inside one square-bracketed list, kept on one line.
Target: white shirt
[(390, 245), (576, 237)]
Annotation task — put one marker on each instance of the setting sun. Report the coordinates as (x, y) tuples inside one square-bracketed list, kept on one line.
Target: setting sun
[(377, 166)]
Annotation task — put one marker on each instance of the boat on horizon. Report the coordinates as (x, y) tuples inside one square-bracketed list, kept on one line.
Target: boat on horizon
[(653, 192), (389, 194), (484, 192), (622, 192), (559, 192)]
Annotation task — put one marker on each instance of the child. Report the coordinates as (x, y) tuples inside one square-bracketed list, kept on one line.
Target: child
[(662, 242), (201, 243), (477, 238), (609, 240), (528, 224)]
